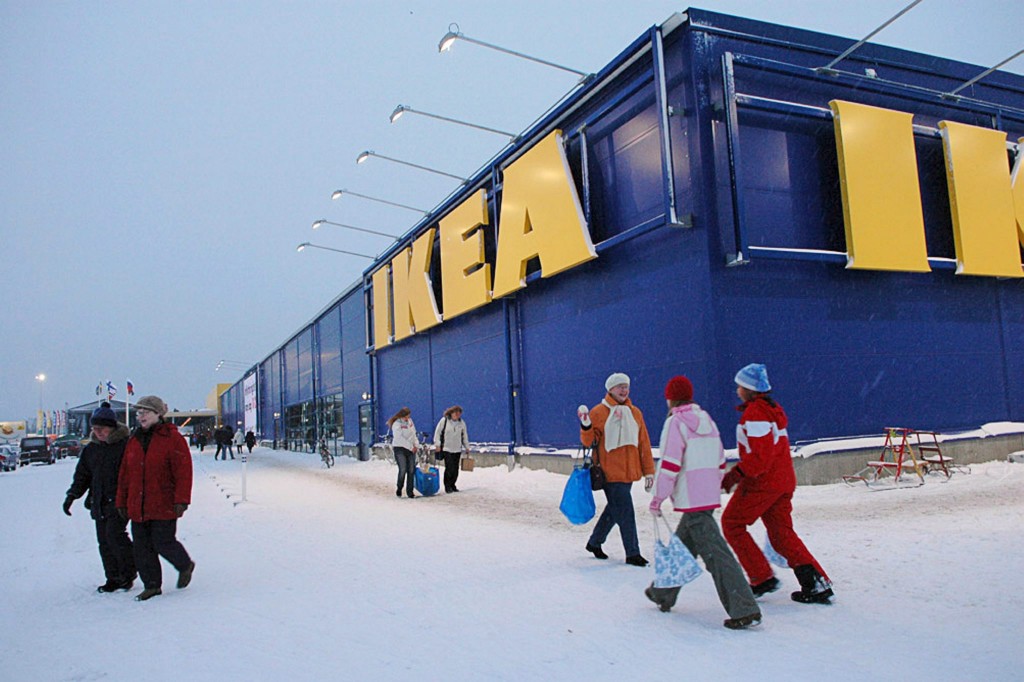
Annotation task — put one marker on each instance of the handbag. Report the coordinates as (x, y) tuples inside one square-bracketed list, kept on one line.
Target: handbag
[(578, 499), (674, 566), (597, 475), (467, 463)]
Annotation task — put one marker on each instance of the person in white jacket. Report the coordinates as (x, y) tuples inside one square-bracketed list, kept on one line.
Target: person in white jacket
[(451, 442), (690, 472), (405, 444)]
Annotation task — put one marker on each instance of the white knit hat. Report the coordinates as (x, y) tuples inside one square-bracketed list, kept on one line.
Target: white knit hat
[(615, 380)]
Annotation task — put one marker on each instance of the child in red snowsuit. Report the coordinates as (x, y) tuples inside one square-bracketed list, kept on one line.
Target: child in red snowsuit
[(766, 481)]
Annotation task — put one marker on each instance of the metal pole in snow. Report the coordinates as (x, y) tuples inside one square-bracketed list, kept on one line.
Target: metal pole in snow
[(245, 469)]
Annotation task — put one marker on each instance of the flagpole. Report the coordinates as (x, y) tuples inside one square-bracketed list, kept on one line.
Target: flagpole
[(127, 401)]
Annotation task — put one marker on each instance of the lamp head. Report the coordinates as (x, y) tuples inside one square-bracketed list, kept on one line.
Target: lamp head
[(337, 193), (397, 113), (449, 38), (364, 156), (301, 246), (318, 223)]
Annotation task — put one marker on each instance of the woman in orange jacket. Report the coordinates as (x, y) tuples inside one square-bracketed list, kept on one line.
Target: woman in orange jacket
[(624, 452)]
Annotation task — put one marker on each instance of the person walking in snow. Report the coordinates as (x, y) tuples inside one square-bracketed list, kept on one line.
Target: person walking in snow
[(250, 440), (690, 473), (405, 444), (765, 481), (616, 428), (96, 474), (451, 441), (154, 488), (201, 439), (239, 440)]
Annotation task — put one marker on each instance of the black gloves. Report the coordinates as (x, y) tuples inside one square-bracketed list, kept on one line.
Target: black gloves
[(67, 504), (179, 509), (731, 478)]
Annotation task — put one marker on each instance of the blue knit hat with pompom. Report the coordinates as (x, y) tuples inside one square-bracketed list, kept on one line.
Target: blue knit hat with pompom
[(754, 377)]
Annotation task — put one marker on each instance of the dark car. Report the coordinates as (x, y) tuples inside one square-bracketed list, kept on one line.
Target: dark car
[(36, 449), (66, 446)]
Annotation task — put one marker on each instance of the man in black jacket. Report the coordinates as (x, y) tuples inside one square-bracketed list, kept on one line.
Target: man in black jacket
[(96, 474)]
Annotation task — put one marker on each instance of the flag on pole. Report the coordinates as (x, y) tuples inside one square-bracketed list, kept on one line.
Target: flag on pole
[(99, 388), (129, 386), (111, 391)]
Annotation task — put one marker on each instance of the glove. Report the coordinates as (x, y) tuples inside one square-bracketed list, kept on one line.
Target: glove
[(731, 478), (123, 513), (179, 509), (648, 483), (67, 504), (655, 507), (583, 414)]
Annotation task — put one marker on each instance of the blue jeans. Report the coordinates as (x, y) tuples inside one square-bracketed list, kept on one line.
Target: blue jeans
[(619, 511), (406, 469)]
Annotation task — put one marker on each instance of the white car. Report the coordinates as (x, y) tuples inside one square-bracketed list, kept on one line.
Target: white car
[(9, 457)]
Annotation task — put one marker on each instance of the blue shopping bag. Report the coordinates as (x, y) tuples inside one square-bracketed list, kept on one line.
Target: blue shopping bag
[(577, 498), (426, 482), (773, 556), (674, 566)]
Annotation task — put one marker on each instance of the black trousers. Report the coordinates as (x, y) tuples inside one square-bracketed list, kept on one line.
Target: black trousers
[(115, 547), (451, 469), (155, 539)]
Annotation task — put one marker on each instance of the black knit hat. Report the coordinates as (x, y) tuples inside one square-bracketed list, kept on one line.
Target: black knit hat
[(103, 416)]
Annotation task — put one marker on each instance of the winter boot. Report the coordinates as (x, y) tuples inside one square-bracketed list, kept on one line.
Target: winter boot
[(596, 551), (663, 605), (636, 560), (743, 622), (126, 584), (185, 576), (148, 593), (814, 587), (111, 585), (764, 587)]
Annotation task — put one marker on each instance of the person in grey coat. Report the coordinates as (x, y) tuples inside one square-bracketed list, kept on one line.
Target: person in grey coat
[(450, 442), (96, 476)]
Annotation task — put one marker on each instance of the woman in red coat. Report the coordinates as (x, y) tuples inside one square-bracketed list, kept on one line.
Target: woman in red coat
[(154, 488), (766, 482)]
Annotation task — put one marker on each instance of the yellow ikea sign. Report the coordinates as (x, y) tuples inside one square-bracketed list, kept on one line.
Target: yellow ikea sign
[(882, 196), (540, 217)]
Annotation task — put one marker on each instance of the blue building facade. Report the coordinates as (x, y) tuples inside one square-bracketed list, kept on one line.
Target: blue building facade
[(738, 209)]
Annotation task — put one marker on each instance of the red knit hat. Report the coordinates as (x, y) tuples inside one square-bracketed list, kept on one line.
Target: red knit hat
[(679, 388)]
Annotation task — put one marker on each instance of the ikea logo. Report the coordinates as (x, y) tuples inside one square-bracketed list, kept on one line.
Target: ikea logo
[(541, 218)]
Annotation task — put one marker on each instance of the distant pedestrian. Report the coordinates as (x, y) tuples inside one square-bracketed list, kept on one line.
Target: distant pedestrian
[(154, 489), (616, 428), (202, 440), (690, 473), (451, 441), (765, 482), (96, 475), (405, 444), (218, 439), (250, 440), (239, 441)]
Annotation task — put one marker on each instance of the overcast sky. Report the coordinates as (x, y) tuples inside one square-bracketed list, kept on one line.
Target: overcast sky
[(160, 161)]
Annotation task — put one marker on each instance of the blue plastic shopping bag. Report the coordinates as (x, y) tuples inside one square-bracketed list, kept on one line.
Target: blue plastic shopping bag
[(426, 482), (577, 498), (674, 566), (773, 556)]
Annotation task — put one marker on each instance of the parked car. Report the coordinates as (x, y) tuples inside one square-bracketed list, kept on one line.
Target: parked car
[(66, 446), (36, 449), (8, 457)]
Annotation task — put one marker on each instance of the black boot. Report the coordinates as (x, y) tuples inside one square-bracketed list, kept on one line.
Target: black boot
[(596, 551), (636, 560), (111, 585), (814, 587), (764, 587)]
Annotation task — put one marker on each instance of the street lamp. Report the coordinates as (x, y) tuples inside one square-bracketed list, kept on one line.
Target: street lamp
[(303, 245), (322, 221), (338, 193), (41, 378), (401, 109), (233, 364), (453, 34), (367, 154)]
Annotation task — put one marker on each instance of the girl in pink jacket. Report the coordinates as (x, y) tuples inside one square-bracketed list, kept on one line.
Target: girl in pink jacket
[(690, 473)]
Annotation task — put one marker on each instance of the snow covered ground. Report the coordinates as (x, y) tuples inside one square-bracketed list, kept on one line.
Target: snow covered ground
[(325, 574)]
